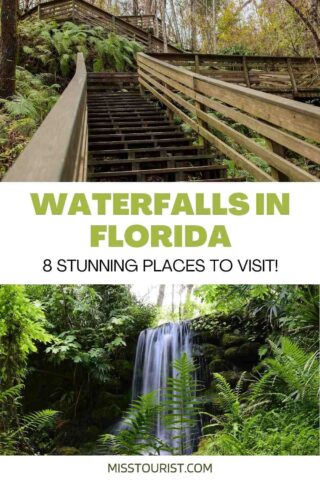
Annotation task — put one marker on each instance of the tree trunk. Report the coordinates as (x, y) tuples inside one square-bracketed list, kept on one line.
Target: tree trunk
[(8, 48), (175, 23), (306, 21), (164, 25), (135, 7), (214, 26), (162, 289), (193, 26)]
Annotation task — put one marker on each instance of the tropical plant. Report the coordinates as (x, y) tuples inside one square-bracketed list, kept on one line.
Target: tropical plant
[(292, 376), (180, 403), (277, 415), (22, 325), (15, 433), (135, 436), (55, 47)]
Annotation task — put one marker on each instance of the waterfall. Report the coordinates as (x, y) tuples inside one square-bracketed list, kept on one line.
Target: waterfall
[(157, 348)]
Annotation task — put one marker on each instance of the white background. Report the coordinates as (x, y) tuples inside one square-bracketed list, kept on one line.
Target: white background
[(26, 239), (95, 468)]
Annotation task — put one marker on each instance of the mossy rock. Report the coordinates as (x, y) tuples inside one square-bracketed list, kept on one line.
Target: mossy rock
[(246, 355), (209, 337), (218, 365), (232, 340), (106, 416), (68, 451), (209, 350)]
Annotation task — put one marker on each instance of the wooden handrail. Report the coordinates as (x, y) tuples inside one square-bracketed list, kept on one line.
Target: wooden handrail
[(285, 124), (58, 151), (293, 77), (237, 59)]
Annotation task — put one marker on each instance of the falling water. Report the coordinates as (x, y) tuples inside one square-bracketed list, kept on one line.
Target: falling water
[(156, 350)]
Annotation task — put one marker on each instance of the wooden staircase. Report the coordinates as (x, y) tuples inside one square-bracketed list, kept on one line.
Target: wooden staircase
[(132, 139), (80, 11)]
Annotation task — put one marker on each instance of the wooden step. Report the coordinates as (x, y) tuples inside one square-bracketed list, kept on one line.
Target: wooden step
[(142, 151), (175, 158), (159, 171), (132, 139)]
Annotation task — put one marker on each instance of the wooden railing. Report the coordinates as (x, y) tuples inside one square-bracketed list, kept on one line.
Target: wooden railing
[(214, 109), (297, 77), (58, 151), (84, 12), (150, 23)]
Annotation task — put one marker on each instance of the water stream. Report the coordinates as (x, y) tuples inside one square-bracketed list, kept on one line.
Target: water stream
[(157, 348)]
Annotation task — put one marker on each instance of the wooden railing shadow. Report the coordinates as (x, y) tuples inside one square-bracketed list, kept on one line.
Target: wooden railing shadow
[(208, 105)]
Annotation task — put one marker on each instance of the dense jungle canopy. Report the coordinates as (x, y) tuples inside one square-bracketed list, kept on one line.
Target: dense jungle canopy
[(67, 358)]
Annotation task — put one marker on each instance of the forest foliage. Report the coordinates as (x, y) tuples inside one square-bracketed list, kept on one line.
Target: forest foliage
[(66, 364), (46, 62)]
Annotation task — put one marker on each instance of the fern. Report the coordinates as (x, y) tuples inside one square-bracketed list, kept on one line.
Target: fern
[(10, 394), (181, 405), (136, 437), (293, 371), (39, 420)]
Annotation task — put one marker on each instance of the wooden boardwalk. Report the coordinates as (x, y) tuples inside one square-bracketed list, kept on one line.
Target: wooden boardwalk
[(132, 126), (291, 77), (81, 11)]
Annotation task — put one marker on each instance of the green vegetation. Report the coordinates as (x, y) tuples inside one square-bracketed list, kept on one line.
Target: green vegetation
[(66, 365), (66, 349), (53, 48), (278, 415), (47, 59)]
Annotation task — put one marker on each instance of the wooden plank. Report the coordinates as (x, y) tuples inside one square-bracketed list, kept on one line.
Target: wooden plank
[(239, 159), (156, 171), (288, 114), (301, 147), (271, 158)]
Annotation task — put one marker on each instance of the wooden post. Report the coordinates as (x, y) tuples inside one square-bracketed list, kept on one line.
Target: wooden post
[(73, 10), (246, 71), (196, 63), (113, 23), (39, 11), (279, 150), (149, 42), (203, 108), (292, 77)]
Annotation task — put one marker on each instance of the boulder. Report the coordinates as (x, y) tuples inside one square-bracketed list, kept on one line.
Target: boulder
[(209, 350), (218, 364), (245, 355), (232, 340)]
